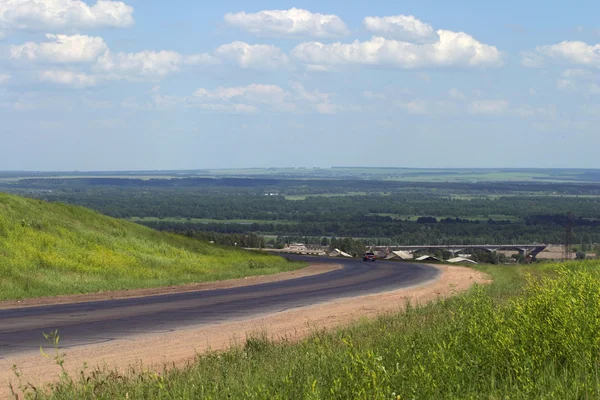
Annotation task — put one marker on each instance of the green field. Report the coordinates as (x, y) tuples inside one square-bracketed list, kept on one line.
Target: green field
[(379, 173), (49, 249), (413, 218), (304, 197), (210, 221), (534, 333)]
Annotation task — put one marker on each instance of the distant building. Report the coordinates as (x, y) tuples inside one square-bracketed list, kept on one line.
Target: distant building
[(461, 260), (399, 255), (428, 258), (339, 253)]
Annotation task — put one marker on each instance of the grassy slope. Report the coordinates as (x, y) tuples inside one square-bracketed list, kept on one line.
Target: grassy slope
[(51, 249), (506, 341)]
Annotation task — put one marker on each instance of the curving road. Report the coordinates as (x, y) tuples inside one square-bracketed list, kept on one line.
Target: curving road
[(21, 330)]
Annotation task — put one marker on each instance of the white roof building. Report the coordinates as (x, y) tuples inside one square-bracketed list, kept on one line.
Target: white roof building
[(399, 255), (339, 253), (461, 260), (428, 258)]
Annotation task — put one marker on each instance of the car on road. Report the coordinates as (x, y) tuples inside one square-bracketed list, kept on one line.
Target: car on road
[(368, 256)]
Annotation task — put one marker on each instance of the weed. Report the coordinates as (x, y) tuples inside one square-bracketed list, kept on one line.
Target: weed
[(48, 249), (533, 333)]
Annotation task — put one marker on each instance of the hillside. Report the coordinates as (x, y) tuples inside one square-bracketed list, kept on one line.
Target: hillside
[(49, 249)]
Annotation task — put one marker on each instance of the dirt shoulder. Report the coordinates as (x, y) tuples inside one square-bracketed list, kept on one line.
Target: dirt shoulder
[(179, 348), (125, 294)]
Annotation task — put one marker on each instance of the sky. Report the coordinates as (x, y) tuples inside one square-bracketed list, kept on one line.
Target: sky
[(155, 85)]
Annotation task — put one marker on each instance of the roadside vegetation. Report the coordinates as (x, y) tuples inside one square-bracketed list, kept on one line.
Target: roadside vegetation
[(52, 249), (533, 333)]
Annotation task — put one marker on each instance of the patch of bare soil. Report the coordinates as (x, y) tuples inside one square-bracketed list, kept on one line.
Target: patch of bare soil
[(179, 348), (125, 294)]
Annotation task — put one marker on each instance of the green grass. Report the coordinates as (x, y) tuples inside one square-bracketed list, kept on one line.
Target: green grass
[(51, 249), (533, 333)]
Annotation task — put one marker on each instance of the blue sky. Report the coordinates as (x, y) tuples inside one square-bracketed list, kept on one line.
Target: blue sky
[(184, 85)]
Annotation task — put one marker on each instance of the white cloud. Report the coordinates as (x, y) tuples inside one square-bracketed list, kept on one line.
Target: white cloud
[(145, 64), (405, 28), (456, 94), (368, 94), (230, 108), (565, 84), (36, 15), (242, 55), (256, 93), (61, 49), (452, 49), (249, 56), (68, 78), (320, 101), (261, 97), (527, 111), (148, 64), (488, 107), (289, 23), (578, 74), (583, 81), (4, 78), (571, 52), (414, 107), (201, 59)]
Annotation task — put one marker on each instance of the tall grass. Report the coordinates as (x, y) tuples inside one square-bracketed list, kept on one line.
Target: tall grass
[(51, 249), (534, 333)]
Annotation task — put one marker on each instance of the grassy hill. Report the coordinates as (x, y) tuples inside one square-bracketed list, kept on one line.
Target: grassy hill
[(50, 249)]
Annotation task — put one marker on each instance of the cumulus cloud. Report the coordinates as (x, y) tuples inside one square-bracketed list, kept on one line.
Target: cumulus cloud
[(145, 64), (68, 78), (249, 56), (488, 107), (93, 51), (452, 49), (61, 49), (570, 52), (288, 23), (40, 15), (405, 28), (36, 15), (79, 51)]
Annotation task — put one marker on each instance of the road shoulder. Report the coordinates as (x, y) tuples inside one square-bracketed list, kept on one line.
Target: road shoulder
[(180, 347), (314, 269)]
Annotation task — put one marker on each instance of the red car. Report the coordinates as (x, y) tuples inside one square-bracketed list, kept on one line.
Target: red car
[(369, 256)]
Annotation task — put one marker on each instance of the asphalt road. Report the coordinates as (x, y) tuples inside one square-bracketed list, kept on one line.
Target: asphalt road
[(21, 330)]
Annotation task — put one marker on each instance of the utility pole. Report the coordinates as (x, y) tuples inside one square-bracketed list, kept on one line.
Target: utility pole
[(569, 236)]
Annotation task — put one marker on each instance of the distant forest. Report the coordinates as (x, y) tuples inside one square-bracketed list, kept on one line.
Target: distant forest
[(378, 211)]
